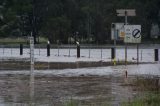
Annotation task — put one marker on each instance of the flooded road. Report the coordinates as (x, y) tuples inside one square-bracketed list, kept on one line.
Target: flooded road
[(50, 90), (90, 86)]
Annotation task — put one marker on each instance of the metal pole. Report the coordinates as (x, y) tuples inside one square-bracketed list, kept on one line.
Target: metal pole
[(156, 58), (89, 48), (126, 18), (3, 49), (21, 49), (78, 51), (112, 53), (11, 50), (115, 37), (32, 69), (101, 53), (70, 47), (125, 54), (39, 51), (69, 51), (58, 49), (137, 54), (141, 55), (89, 53), (31, 85), (48, 50), (125, 43), (32, 50)]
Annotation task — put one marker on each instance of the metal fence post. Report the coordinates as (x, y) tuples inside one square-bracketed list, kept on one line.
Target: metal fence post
[(156, 54), (112, 53), (48, 49), (78, 50), (21, 49)]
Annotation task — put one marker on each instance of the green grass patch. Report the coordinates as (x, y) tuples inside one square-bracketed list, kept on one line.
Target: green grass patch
[(20, 40), (150, 99), (12, 40)]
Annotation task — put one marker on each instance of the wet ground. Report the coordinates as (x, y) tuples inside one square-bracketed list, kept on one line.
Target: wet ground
[(91, 87)]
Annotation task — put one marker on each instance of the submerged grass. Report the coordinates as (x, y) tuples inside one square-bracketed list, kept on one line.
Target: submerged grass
[(78, 103), (150, 88), (150, 99), (146, 84), (71, 103)]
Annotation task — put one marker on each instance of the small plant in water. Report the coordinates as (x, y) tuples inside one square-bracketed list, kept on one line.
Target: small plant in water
[(71, 103)]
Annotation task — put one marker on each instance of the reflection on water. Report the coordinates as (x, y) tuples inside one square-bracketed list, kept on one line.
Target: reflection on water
[(31, 85), (53, 90)]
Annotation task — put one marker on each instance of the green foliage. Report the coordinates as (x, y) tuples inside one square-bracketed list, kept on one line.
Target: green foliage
[(60, 19), (58, 28)]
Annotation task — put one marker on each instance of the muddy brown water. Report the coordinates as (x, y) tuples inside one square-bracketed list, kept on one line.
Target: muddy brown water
[(52, 90)]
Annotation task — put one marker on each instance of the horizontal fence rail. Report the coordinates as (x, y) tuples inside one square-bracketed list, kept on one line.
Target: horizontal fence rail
[(100, 53)]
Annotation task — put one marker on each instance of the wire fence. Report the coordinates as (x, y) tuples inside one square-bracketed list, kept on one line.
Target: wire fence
[(100, 53)]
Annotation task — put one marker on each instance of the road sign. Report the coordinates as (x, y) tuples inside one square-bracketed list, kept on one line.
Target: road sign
[(124, 12), (132, 33), (121, 33), (117, 31)]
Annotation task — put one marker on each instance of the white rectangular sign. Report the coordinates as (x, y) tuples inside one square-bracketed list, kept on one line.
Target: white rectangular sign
[(117, 32), (132, 33)]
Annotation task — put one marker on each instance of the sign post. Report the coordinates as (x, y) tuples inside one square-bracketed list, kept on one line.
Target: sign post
[(133, 35), (126, 13), (32, 68), (32, 50), (117, 33)]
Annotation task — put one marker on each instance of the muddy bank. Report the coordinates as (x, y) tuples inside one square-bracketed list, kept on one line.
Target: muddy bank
[(22, 65)]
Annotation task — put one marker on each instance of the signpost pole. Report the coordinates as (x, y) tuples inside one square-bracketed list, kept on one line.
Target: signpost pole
[(126, 13), (115, 38), (32, 50), (32, 68), (125, 17), (137, 53)]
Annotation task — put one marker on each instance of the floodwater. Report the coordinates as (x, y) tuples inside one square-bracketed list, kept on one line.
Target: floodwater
[(61, 87)]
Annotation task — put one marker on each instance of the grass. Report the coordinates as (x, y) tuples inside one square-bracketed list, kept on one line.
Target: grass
[(19, 40), (151, 99), (71, 103), (78, 103), (146, 84), (12, 40), (150, 88)]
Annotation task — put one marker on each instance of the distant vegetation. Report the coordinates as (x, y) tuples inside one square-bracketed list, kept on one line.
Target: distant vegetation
[(18, 40), (59, 20)]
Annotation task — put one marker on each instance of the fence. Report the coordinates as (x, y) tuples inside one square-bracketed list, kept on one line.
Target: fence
[(100, 53)]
